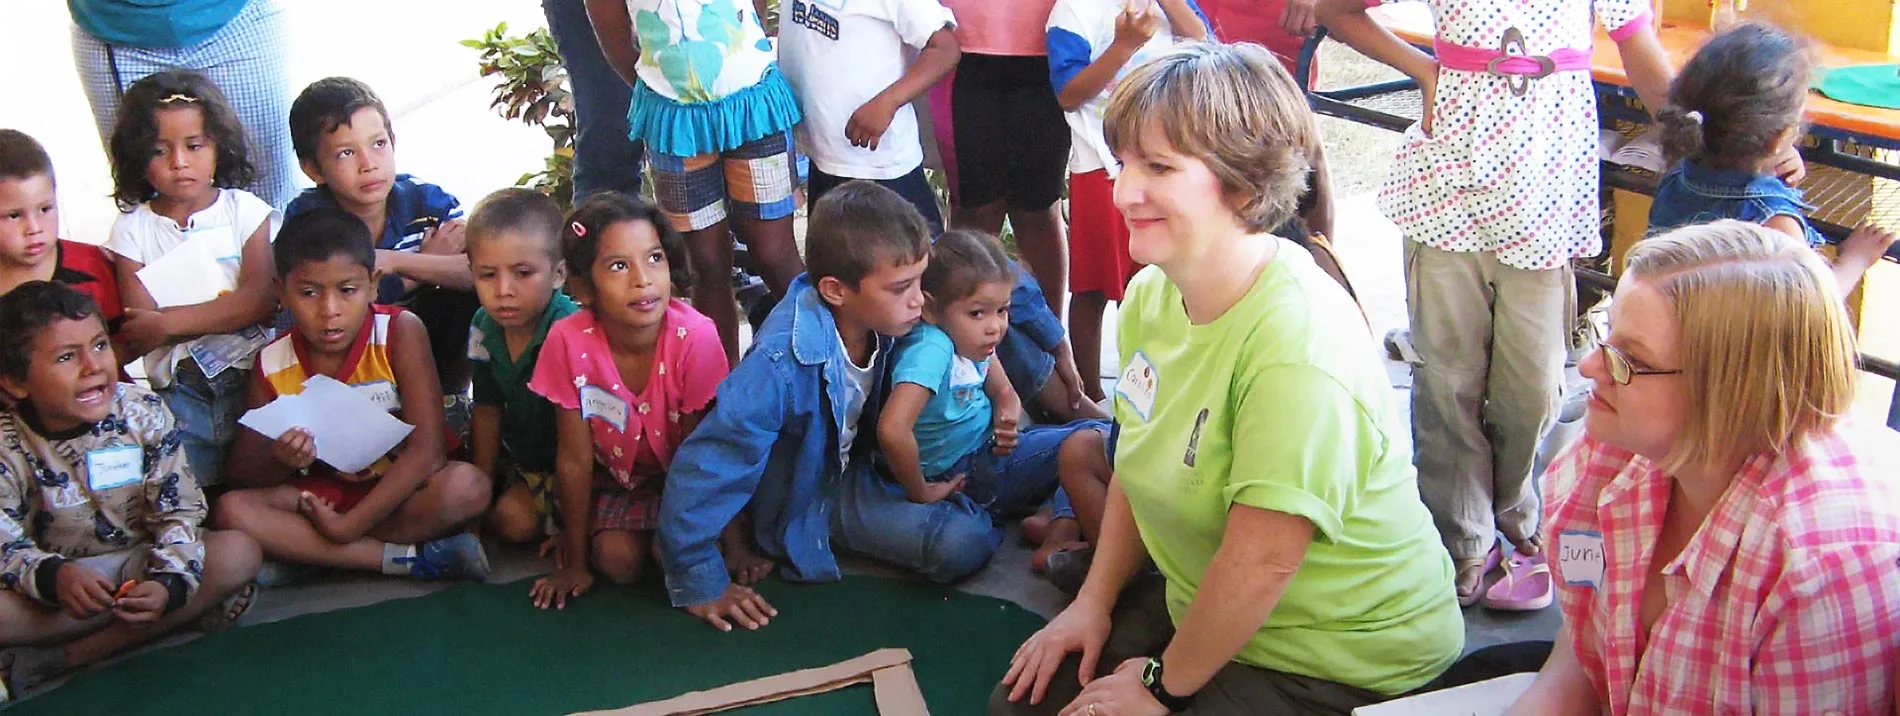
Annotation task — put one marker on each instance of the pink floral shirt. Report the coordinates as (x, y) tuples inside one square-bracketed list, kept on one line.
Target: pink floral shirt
[(1785, 601), (576, 371)]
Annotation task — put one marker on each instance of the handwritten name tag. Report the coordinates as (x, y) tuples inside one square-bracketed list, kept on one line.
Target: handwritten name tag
[(382, 393), (112, 467), (597, 402), (1580, 558)]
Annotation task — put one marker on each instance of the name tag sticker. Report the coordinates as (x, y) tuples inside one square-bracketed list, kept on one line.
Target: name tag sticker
[(1138, 384), (597, 402), (382, 393), (112, 467), (1580, 558)]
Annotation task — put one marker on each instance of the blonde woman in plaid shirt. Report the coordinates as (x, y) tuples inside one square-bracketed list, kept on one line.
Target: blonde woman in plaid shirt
[(1724, 538)]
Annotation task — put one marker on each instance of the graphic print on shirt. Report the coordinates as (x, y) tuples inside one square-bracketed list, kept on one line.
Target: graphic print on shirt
[(966, 380), (1194, 439), (809, 14)]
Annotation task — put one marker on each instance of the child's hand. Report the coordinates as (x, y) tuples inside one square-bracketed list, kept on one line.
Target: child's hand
[(1428, 86), (296, 448), (739, 604), (1789, 166), (1137, 24), (937, 491), (1071, 378), (144, 331), (327, 521), (568, 581), (1866, 245), (1298, 18), (83, 591), (1003, 428), (867, 125), (446, 239), (143, 603)]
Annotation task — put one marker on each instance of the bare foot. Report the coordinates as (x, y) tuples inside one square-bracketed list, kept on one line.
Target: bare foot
[(225, 615), (1036, 526), (747, 566)]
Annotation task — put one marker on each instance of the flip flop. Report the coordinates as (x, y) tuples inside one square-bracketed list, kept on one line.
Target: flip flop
[(1463, 575), (234, 607), (1525, 587)]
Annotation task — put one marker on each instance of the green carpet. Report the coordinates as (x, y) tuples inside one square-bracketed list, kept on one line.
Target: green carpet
[(482, 649)]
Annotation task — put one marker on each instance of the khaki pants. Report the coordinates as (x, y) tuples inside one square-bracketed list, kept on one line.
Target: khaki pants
[(1140, 626), (1491, 339)]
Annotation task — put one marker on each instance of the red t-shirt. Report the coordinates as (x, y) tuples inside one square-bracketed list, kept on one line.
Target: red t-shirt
[(86, 268)]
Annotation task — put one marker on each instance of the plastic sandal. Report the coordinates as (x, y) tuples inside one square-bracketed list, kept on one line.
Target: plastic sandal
[(1525, 587)]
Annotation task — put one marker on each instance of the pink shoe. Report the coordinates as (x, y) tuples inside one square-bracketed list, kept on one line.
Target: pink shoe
[(1470, 573), (1525, 586)]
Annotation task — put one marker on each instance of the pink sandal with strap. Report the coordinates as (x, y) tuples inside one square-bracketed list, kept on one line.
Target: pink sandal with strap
[(1525, 586)]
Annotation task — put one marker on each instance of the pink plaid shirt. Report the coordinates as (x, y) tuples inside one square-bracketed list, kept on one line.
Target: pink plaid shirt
[(1785, 601)]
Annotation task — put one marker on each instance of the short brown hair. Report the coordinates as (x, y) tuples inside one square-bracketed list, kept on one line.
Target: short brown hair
[(1766, 349), (519, 210), (1231, 106), (859, 226)]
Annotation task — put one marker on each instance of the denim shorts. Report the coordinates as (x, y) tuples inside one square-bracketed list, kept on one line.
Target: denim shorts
[(207, 411), (1020, 482)]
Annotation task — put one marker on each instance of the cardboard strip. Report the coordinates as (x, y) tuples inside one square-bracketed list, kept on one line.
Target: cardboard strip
[(905, 697)]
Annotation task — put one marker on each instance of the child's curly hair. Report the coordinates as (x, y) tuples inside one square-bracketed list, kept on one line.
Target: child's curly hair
[(580, 237), (1735, 97), (26, 311), (135, 136)]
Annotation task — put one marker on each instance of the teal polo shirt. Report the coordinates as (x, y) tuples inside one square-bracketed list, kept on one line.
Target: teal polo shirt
[(527, 419)]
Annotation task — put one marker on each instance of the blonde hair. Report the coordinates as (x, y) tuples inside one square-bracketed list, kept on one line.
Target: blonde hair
[(1766, 350), (1231, 106)]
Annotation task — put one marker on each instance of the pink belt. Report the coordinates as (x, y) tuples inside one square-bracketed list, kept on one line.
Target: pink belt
[(1510, 60)]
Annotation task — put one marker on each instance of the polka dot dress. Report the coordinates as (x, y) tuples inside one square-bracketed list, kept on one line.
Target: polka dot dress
[(1503, 173)]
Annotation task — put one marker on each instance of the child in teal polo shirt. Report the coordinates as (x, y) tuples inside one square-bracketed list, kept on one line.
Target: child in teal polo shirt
[(514, 253)]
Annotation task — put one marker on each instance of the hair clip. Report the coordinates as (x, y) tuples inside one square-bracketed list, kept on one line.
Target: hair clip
[(180, 97), (579, 231), (1693, 116)]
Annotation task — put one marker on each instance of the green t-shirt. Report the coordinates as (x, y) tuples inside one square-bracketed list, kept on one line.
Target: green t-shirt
[(527, 419), (1282, 404)]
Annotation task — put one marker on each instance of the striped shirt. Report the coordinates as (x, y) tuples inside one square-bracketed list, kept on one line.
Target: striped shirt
[(1784, 601)]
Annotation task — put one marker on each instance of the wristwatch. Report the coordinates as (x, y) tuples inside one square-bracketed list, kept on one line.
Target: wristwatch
[(1151, 678)]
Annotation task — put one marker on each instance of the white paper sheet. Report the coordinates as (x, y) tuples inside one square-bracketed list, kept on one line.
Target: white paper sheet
[(1485, 698), (351, 432), (191, 273), (1643, 152)]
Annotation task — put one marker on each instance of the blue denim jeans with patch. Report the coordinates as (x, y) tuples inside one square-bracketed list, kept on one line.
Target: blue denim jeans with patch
[(207, 412)]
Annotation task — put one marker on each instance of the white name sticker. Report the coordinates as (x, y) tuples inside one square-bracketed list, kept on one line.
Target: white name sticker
[(1580, 558), (114, 467), (382, 393), (597, 402), (1138, 384)]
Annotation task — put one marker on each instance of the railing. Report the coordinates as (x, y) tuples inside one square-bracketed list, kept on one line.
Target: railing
[(1840, 165)]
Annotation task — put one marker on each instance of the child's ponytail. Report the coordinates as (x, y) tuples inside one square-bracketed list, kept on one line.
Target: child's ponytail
[(1681, 133)]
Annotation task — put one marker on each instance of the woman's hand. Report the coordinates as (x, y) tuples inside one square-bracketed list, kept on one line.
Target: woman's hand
[(1117, 694), (1083, 627)]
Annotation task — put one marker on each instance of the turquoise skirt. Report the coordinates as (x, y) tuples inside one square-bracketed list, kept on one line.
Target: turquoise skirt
[(686, 129)]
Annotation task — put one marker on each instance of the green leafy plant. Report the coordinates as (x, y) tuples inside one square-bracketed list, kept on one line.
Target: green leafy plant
[(532, 88)]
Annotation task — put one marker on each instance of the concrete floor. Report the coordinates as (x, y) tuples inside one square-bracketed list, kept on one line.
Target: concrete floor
[(449, 136)]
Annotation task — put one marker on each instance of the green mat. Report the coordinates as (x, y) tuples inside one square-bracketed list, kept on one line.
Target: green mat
[(482, 649)]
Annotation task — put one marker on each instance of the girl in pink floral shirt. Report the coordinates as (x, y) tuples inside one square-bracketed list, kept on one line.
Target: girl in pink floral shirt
[(630, 376)]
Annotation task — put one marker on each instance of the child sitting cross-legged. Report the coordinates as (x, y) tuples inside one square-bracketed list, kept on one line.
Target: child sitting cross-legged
[(99, 512), (514, 250), (949, 428), (630, 377), (405, 514)]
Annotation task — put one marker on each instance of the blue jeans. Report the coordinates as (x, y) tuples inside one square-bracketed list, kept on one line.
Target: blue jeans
[(1018, 483), (943, 541), (207, 411), (605, 157)]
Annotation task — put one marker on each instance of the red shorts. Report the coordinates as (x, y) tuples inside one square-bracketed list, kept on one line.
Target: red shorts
[(341, 494), (1098, 237)]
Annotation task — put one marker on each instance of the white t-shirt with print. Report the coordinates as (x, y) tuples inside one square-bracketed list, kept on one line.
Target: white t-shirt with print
[(838, 54), (145, 236)]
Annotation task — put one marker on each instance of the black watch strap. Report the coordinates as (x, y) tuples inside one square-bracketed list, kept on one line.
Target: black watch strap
[(1151, 678)]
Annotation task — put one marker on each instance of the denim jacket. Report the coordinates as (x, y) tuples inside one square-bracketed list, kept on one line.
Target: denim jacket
[(1027, 351), (771, 439), (1693, 194)]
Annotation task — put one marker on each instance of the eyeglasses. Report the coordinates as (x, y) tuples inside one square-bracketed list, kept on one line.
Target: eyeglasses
[(1621, 370)]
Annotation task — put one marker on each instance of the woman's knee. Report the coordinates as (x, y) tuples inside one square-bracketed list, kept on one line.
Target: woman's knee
[(619, 556)]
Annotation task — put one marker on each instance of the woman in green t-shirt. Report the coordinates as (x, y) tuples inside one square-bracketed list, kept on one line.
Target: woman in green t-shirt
[(1260, 465)]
